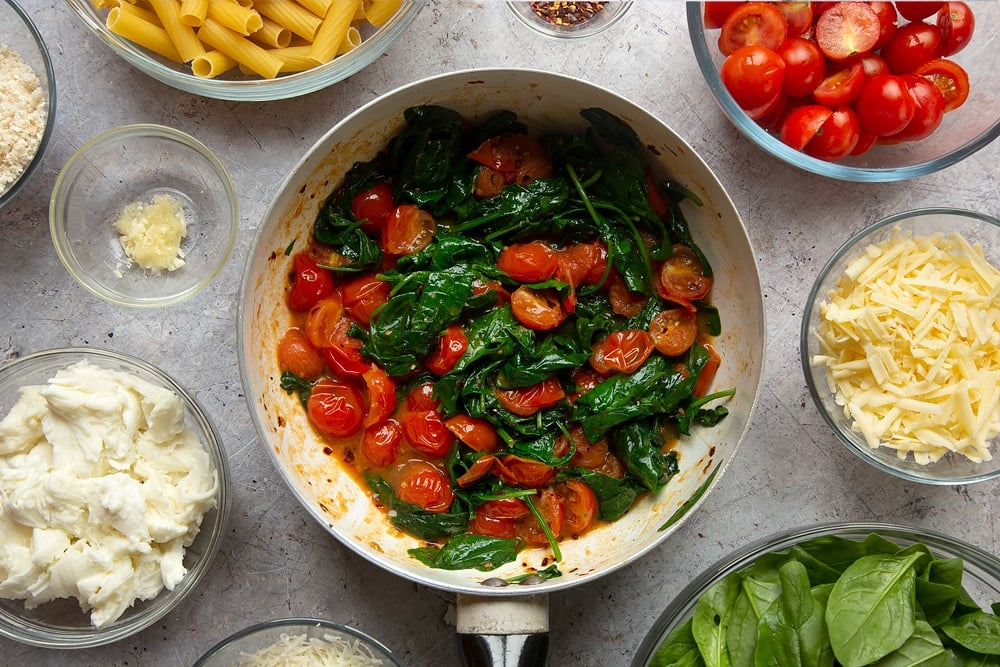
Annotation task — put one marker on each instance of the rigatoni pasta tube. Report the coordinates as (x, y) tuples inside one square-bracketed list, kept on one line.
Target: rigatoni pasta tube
[(286, 13), (145, 14), (378, 12), (352, 40), (271, 34), (193, 12), (319, 7), (211, 64), (332, 31), (239, 48), (183, 37), (142, 32), (236, 17)]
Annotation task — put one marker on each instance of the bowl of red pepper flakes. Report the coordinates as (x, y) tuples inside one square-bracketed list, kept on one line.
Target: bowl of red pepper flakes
[(569, 20)]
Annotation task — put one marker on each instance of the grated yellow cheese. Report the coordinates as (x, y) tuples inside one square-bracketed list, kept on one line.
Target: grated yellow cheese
[(330, 651), (152, 232), (910, 341)]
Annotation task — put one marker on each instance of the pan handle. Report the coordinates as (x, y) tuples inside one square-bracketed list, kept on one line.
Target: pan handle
[(503, 632)]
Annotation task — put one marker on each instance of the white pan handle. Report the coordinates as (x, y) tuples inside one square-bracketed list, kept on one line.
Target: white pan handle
[(503, 631)]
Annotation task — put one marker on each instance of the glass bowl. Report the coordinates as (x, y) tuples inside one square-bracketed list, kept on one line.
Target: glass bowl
[(228, 652), (139, 163), (952, 468), (238, 87), (981, 570), (61, 624), (21, 37), (609, 14), (962, 132)]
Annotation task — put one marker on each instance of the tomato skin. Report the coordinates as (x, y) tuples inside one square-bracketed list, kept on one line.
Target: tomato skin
[(804, 66), (311, 283), (537, 309), (584, 263), (917, 10), (335, 408), (674, 331), (509, 158), (624, 301), (950, 78), (956, 23), (528, 262), (865, 141), (525, 473), (913, 45), (475, 432), (707, 374), (550, 506), (408, 229), (753, 75), (682, 276), (873, 64), (363, 296), (426, 433), (715, 13), (847, 29), (297, 355), (884, 106), (324, 322), (504, 508), (345, 360), (424, 485), (381, 395), (579, 505), (837, 137), (452, 344), (421, 397), (841, 87), (381, 443), (622, 351), (489, 526), (525, 401), (373, 206), (753, 23), (802, 124), (798, 16), (928, 109), (887, 21)]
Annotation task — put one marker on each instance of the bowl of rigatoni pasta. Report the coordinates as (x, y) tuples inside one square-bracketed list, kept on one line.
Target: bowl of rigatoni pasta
[(248, 50)]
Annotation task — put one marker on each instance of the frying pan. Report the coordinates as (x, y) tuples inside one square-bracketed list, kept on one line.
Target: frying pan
[(498, 625)]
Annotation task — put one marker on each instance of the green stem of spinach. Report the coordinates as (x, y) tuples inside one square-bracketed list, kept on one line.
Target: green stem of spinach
[(711, 397), (544, 525)]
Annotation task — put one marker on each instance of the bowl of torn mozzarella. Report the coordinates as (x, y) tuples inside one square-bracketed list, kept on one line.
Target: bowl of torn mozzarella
[(298, 641), (113, 481), (900, 344)]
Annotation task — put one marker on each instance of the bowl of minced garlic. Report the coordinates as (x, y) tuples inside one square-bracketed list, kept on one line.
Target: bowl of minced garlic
[(143, 215), (900, 345)]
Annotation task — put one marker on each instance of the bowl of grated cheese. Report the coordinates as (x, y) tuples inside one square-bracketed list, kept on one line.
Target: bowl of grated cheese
[(27, 98), (143, 215), (298, 641), (900, 345)]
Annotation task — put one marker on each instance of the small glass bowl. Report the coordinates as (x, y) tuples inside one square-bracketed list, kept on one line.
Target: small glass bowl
[(237, 87), (610, 14), (21, 36), (134, 163), (61, 624), (952, 468), (962, 132), (228, 652), (981, 569)]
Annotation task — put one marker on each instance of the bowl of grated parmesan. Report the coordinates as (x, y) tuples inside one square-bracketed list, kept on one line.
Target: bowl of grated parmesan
[(298, 641), (900, 344), (27, 98), (143, 215)]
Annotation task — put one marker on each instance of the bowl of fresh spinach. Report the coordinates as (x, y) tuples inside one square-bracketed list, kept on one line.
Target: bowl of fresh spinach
[(848, 594)]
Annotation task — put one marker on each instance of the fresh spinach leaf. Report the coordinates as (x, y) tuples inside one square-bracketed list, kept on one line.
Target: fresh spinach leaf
[(977, 631), (922, 649), (679, 649), (710, 618)]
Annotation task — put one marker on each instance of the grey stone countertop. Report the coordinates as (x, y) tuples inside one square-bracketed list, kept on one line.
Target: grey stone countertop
[(278, 562)]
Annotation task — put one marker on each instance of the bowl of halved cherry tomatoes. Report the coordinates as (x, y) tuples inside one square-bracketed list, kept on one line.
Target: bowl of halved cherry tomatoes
[(859, 91)]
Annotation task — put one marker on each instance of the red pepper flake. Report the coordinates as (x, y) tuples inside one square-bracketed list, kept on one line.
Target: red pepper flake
[(567, 13)]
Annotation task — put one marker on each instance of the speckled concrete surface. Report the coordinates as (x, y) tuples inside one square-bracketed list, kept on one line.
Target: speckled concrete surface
[(276, 561)]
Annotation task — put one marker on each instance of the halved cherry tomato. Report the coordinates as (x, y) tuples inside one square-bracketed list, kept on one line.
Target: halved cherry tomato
[(950, 78), (528, 262), (913, 45), (583, 380), (482, 467), (802, 123), (504, 508), (624, 301), (424, 485), (753, 75), (297, 355), (595, 456), (335, 408), (373, 205), (917, 9), (623, 351), (837, 137), (525, 473), (887, 22), (509, 158), (884, 106), (753, 23), (582, 263), (550, 506), (716, 13), (798, 15), (683, 277), (475, 432), (407, 230), (311, 283), (579, 505), (324, 320), (426, 433), (928, 109), (345, 360), (525, 401), (538, 309), (363, 296), (381, 442), (673, 331), (804, 66), (489, 526), (654, 195), (381, 394), (847, 29), (956, 24), (452, 344), (841, 86), (421, 397), (707, 374)]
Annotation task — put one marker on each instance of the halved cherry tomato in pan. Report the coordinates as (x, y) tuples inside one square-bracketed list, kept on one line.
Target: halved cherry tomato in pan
[(525, 473), (452, 344), (311, 283), (345, 360), (550, 506), (538, 309), (421, 397), (426, 433), (336, 408), (407, 230), (674, 331), (624, 301), (683, 276), (324, 322), (753, 23), (950, 78), (525, 401), (528, 262), (504, 508), (489, 526), (622, 351), (381, 442), (381, 394), (373, 206), (363, 296), (753, 75), (847, 29), (297, 355), (956, 24), (424, 485), (579, 505), (475, 432)]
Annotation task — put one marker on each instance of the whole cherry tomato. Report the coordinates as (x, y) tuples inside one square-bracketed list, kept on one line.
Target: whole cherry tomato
[(297, 355), (381, 443), (336, 408), (622, 351), (525, 401), (753, 75), (452, 344), (805, 66), (928, 109), (887, 22), (884, 106), (426, 433), (408, 229), (424, 485), (913, 45), (373, 206), (917, 10), (311, 283), (528, 262)]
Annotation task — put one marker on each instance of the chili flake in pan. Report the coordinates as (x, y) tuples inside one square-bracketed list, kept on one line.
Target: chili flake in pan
[(567, 13)]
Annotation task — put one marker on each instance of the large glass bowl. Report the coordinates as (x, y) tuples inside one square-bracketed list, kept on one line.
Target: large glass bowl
[(246, 88), (981, 569), (19, 34), (61, 624), (962, 132), (951, 468)]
